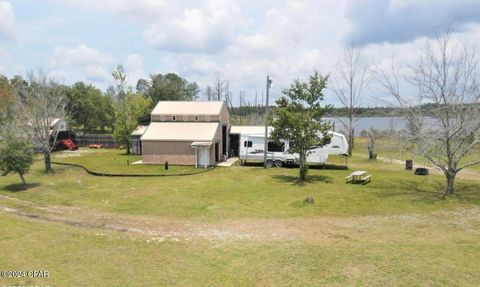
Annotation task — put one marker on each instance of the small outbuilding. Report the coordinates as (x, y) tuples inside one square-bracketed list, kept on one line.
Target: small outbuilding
[(186, 133)]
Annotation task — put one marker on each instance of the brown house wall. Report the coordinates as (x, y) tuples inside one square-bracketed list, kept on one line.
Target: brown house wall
[(175, 152), (217, 138)]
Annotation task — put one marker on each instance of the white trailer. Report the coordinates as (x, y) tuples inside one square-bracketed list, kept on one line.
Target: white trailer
[(252, 149)]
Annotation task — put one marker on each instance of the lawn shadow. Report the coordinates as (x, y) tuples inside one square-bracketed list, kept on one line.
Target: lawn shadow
[(295, 180), (465, 192), (20, 187)]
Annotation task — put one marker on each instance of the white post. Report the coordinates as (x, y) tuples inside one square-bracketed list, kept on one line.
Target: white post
[(196, 157), (206, 156), (265, 147)]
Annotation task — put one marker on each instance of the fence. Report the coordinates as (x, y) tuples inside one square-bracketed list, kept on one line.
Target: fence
[(105, 140)]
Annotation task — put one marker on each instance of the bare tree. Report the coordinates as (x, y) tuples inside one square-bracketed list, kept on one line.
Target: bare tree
[(208, 93), (373, 135), (219, 87), (351, 81), (41, 102), (447, 78), (229, 100)]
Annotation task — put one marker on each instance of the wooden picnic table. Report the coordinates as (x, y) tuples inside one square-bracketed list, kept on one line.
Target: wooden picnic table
[(357, 175)]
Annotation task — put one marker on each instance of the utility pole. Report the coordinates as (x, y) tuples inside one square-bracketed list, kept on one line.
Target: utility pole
[(269, 84)]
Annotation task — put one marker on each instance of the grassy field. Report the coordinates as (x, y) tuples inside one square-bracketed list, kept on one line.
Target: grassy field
[(239, 226), (115, 161)]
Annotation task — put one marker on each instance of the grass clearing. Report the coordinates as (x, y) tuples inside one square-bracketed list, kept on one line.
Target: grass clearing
[(440, 256), (395, 231)]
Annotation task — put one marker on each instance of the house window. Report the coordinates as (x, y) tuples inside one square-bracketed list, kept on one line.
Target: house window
[(196, 118), (276, 147), (247, 143), (174, 118), (207, 118)]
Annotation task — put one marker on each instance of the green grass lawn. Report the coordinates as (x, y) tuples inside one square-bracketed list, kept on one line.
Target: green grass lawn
[(240, 192), (116, 161), (395, 231), (444, 256)]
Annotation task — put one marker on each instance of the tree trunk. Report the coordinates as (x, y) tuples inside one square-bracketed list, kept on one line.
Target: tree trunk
[(450, 181), (303, 167), (128, 147), (351, 139), (48, 164), (23, 179)]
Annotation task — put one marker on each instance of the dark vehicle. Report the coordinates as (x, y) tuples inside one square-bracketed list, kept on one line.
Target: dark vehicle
[(66, 140)]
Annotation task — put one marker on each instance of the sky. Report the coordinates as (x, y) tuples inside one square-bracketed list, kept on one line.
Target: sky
[(84, 40)]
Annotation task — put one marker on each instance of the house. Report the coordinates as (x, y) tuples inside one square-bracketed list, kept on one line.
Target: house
[(186, 133)]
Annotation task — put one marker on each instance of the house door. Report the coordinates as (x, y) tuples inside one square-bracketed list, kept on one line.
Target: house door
[(203, 157)]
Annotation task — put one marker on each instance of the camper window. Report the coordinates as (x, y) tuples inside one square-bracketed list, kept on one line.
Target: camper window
[(247, 143), (276, 147)]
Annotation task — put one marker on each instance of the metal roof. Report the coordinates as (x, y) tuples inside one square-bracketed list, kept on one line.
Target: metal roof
[(180, 131), (140, 130), (249, 130), (187, 108), (201, 144)]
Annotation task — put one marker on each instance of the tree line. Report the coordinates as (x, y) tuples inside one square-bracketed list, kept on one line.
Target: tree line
[(91, 110)]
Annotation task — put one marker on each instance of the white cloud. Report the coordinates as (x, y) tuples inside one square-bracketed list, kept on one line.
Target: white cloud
[(134, 69), (7, 21), (207, 28), (81, 63), (245, 40)]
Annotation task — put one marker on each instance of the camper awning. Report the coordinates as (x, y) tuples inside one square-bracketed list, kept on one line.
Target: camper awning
[(201, 144)]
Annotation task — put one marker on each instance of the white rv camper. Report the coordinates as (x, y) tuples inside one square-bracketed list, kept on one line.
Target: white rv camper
[(251, 147)]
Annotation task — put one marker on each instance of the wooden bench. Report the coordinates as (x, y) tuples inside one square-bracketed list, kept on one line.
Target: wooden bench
[(366, 179), (348, 178)]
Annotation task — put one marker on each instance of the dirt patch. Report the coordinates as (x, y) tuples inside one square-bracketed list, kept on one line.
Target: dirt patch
[(321, 230), (72, 153)]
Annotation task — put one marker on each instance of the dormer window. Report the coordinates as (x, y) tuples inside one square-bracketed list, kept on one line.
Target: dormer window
[(196, 118), (207, 118), (174, 118)]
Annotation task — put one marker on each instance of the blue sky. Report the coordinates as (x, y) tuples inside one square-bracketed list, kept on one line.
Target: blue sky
[(83, 40)]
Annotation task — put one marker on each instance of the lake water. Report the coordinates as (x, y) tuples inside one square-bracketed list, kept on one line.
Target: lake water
[(379, 123)]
